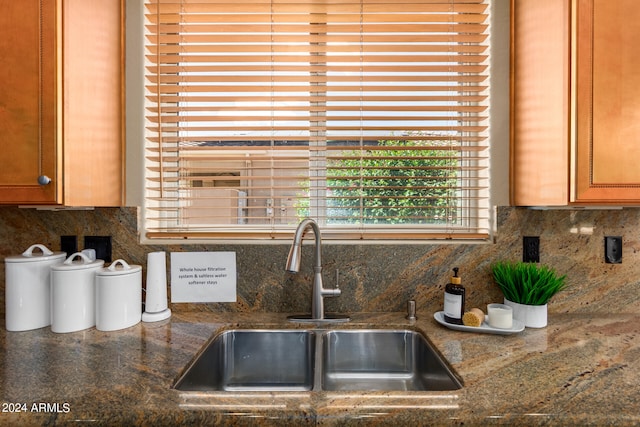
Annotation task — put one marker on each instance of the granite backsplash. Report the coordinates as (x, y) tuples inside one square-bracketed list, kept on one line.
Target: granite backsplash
[(376, 278)]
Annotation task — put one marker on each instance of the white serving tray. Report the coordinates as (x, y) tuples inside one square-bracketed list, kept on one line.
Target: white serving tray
[(517, 326)]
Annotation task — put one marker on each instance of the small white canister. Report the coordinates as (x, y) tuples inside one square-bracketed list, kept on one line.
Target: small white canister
[(118, 296), (28, 288), (73, 293)]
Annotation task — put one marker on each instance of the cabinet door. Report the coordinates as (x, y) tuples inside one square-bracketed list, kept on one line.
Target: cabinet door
[(92, 94), (27, 101), (540, 102), (607, 102)]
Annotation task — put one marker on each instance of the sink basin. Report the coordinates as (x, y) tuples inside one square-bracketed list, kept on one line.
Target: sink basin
[(318, 360), (253, 360), (383, 360)]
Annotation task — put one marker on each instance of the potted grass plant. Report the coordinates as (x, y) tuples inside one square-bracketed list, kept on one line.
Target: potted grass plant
[(527, 287)]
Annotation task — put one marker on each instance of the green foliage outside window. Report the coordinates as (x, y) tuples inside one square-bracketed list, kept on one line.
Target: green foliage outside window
[(389, 184)]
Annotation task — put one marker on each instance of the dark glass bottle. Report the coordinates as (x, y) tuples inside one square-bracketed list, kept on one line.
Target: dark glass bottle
[(454, 300)]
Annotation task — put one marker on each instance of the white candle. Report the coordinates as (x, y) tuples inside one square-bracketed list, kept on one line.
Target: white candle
[(500, 316)]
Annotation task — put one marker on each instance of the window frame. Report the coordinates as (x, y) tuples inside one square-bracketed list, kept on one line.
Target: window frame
[(497, 192)]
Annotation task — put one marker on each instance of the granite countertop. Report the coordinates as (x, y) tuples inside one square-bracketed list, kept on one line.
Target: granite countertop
[(581, 369)]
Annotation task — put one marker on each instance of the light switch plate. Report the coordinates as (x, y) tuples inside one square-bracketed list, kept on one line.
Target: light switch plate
[(102, 245), (531, 249)]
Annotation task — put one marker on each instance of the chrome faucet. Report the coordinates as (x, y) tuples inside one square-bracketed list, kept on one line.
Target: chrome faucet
[(318, 291)]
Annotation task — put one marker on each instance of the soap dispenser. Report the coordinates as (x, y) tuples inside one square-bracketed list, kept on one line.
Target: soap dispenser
[(454, 300)]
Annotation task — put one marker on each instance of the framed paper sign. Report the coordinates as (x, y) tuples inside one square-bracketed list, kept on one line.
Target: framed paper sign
[(203, 277)]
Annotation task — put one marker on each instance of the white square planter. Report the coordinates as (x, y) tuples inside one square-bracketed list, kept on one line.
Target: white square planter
[(533, 316)]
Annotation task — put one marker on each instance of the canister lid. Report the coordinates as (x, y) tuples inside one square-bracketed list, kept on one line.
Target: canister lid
[(38, 256), (83, 263), (119, 267)]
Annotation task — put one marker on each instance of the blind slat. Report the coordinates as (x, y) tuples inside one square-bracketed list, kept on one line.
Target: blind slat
[(313, 7), (173, 33), (300, 48)]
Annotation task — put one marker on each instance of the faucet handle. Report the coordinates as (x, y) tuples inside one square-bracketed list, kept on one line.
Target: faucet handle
[(336, 290)]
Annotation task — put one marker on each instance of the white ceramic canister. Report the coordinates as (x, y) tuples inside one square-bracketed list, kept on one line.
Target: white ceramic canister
[(28, 288), (73, 293), (118, 296)]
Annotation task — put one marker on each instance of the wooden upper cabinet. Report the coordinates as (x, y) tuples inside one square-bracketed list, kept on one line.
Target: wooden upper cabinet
[(62, 102), (540, 102), (27, 101), (608, 101), (575, 103)]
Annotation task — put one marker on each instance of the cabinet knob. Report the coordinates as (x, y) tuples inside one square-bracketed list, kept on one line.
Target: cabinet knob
[(43, 180)]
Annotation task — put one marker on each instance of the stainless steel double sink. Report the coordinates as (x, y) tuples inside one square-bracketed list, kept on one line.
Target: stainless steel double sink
[(318, 360)]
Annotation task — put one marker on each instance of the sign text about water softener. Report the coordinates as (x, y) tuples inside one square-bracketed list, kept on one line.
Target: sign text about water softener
[(203, 277)]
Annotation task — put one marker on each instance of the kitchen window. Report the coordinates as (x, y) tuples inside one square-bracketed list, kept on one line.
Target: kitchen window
[(369, 116)]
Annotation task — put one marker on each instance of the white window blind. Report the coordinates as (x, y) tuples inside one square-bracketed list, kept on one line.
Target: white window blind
[(369, 116)]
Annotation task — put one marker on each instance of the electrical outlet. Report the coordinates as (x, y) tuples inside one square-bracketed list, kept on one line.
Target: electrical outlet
[(613, 249), (531, 249), (102, 245), (69, 244)]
